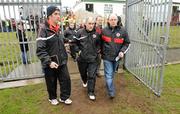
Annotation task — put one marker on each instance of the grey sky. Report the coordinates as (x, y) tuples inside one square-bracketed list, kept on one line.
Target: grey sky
[(13, 12), (69, 3)]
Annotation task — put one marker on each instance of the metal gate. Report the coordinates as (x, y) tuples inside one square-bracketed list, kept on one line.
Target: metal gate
[(148, 27), (30, 13)]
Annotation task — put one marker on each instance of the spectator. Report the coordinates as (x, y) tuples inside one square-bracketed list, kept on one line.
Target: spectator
[(20, 34), (70, 33), (7, 25), (98, 27)]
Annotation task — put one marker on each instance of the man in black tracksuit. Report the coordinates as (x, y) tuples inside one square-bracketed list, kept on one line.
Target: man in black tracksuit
[(88, 43), (70, 33), (115, 43), (53, 56)]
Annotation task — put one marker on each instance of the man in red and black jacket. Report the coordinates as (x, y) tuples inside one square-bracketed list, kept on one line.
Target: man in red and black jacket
[(115, 43), (53, 56)]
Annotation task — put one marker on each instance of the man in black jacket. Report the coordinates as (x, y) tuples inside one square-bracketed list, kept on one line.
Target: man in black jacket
[(115, 43), (53, 56), (70, 33), (88, 43)]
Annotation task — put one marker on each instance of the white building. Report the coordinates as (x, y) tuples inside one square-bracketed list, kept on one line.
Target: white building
[(105, 7), (101, 7)]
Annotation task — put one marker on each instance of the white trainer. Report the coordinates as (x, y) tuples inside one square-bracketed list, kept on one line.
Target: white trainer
[(67, 101), (54, 101), (92, 97), (84, 85)]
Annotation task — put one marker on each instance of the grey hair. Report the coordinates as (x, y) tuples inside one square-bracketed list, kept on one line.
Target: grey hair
[(113, 14), (87, 18)]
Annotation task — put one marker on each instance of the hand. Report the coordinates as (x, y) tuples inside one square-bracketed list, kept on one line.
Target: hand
[(67, 48), (121, 55), (66, 44), (53, 65), (70, 41), (79, 52), (99, 51)]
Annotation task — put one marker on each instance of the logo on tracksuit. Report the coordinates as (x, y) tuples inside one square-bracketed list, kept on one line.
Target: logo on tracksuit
[(94, 35), (118, 35)]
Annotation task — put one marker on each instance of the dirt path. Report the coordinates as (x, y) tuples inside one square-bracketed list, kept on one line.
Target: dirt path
[(82, 104), (104, 105), (173, 55)]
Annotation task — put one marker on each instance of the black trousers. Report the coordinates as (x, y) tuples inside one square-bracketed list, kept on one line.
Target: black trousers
[(73, 51), (62, 75), (99, 64), (88, 74)]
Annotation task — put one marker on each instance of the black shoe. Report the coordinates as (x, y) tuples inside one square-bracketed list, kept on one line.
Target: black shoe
[(111, 96)]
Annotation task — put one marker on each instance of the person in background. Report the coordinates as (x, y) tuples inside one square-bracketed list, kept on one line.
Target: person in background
[(114, 43), (70, 33), (53, 56), (98, 27), (21, 35), (7, 24), (119, 23)]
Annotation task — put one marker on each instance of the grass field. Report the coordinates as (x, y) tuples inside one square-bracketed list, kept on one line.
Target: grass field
[(33, 99), (174, 37), (10, 54)]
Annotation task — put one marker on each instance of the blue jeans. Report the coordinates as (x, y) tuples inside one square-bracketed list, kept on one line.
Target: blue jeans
[(7, 29), (24, 57), (109, 71)]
